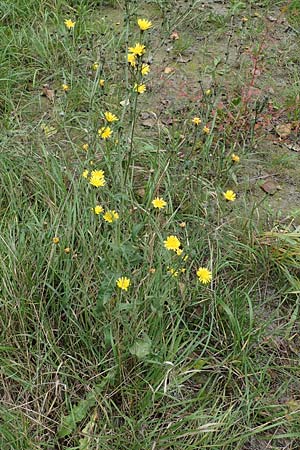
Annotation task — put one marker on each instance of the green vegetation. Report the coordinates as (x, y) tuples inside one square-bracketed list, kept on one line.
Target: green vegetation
[(111, 336)]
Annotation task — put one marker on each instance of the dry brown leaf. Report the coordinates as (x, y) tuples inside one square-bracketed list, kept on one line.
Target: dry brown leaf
[(284, 130), (270, 187), (169, 70), (174, 36), (49, 93)]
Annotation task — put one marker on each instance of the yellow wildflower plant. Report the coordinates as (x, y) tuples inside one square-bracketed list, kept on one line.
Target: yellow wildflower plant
[(95, 66), (229, 195), (196, 120), (235, 158), (69, 24), (97, 178), (172, 243), (67, 250), (206, 130), (138, 49), (85, 147), (173, 272), (145, 69), (144, 24), (204, 275), (65, 87), (85, 173), (105, 132), (55, 240), (140, 88), (131, 58), (159, 203), (101, 83), (110, 117), (123, 283), (179, 251), (98, 209), (111, 216)]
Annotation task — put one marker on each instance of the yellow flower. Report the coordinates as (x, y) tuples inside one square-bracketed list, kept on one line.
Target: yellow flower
[(235, 158), (98, 209), (182, 224), (244, 19), (206, 130), (85, 147), (144, 24), (110, 216), (110, 117), (145, 69), (101, 83), (196, 120), (105, 132), (159, 203), (138, 49), (172, 243), (67, 250), (55, 240), (179, 251), (97, 178), (131, 58), (208, 92), (173, 272), (95, 66), (85, 173), (229, 196), (140, 88), (69, 23), (204, 275), (65, 87), (123, 283)]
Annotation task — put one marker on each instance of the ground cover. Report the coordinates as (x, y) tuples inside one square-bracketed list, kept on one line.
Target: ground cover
[(149, 232)]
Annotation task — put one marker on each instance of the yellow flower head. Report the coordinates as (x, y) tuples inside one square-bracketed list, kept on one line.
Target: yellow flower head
[(145, 69), (97, 178), (67, 250), (65, 87), (208, 92), (69, 23), (85, 147), (131, 58), (173, 272), (140, 88), (95, 66), (105, 132), (123, 283), (235, 158), (101, 83), (98, 209), (144, 24), (179, 251), (111, 216), (172, 243), (159, 203), (85, 173), (110, 117), (138, 49), (229, 196), (55, 240), (204, 275), (196, 120), (206, 130)]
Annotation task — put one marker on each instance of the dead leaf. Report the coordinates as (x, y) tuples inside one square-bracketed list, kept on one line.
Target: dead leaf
[(49, 93), (141, 192), (270, 187), (125, 102), (284, 130), (293, 147), (183, 60), (169, 70), (174, 36)]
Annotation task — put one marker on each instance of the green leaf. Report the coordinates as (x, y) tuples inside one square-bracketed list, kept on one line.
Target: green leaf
[(141, 347)]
